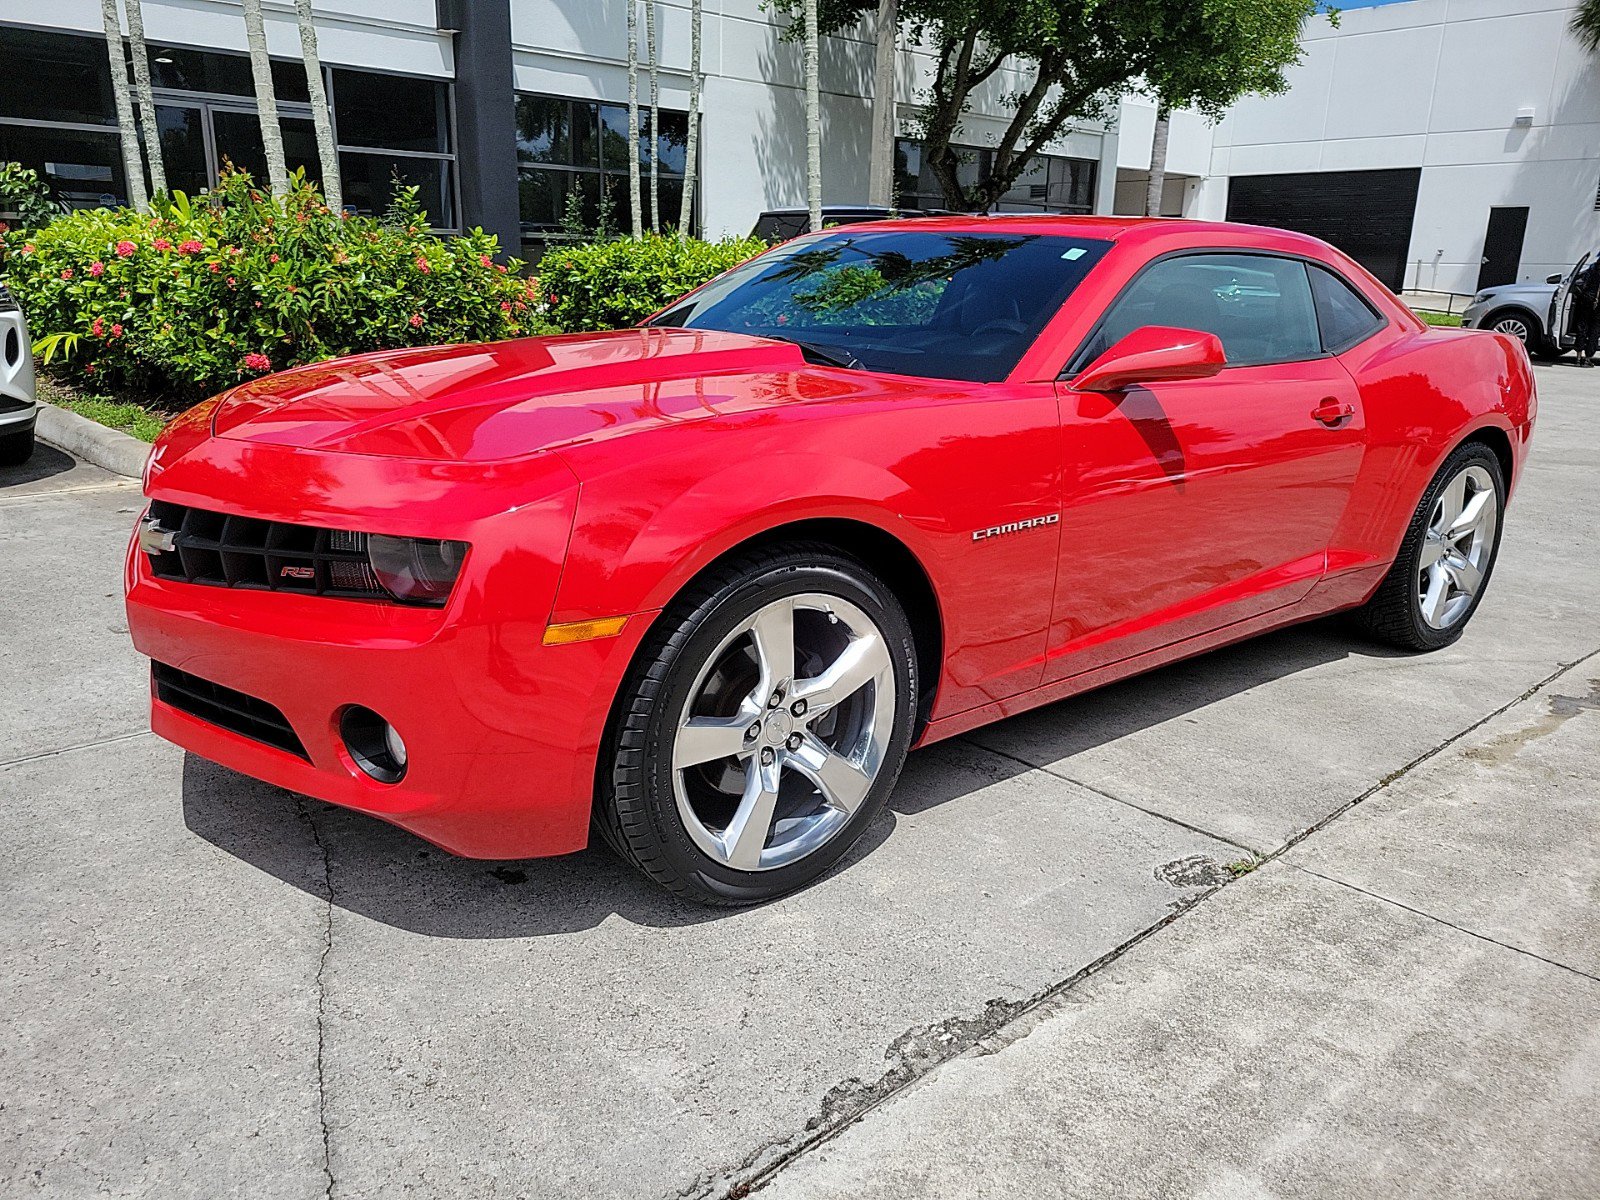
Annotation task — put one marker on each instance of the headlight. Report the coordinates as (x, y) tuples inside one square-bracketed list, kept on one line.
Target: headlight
[(1481, 298), (420, 570)]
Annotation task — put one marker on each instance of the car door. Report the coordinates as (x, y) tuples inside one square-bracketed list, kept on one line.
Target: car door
[(1558, 321), (1188, 506)]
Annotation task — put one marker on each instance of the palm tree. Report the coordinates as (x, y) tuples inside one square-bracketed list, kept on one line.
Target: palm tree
[(655, 114), (813, 120), (327, 152), (132, 163), (1585, 25), (692, 146), (1157, 182), (880, 177), (636, 200), (147, 102), (266, 99)]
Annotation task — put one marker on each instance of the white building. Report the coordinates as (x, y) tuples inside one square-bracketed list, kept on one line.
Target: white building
[(1422, 136), (1448, 144)]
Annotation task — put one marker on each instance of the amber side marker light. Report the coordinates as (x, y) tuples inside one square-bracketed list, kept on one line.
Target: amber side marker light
[(583, 631)]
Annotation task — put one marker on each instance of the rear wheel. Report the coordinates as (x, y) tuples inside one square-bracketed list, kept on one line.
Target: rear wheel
[(763, 727), (1443, 567)]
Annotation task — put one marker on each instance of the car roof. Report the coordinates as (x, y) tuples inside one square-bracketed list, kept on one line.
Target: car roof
[(1120, 229)]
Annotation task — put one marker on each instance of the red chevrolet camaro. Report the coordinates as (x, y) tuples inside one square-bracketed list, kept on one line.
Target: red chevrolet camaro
[(702, 584)]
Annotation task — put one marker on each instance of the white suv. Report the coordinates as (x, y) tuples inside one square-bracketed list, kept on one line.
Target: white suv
[(19, 408)]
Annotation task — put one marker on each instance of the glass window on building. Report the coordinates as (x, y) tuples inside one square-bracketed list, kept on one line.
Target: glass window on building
[(57, 116), (394, 132), (1050, 183), (573, 155)]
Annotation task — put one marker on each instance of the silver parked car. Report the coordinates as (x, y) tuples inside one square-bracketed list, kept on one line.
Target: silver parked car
[(1539, 315), (19, 408)]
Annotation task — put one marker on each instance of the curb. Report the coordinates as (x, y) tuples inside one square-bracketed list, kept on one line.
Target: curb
[(109, 448)]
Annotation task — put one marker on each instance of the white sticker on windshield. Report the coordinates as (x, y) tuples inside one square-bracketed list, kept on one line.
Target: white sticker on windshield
[(1075, 253)]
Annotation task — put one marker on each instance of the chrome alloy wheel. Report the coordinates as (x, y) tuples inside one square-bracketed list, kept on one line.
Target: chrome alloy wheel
[(784, 732), (1457, 547), (1517, 328)]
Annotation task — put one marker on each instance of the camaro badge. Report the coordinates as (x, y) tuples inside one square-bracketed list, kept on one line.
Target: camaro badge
[(979, 535)]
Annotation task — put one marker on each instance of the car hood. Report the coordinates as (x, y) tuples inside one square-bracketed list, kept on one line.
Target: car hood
[(501, 400)]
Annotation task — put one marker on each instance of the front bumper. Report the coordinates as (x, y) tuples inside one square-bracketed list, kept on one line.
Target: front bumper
[(502, 731)]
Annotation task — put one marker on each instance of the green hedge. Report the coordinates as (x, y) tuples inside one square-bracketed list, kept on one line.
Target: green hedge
[(611, 285), (196, 295)]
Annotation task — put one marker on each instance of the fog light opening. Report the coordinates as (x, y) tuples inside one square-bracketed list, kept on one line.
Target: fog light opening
[(374, 744)]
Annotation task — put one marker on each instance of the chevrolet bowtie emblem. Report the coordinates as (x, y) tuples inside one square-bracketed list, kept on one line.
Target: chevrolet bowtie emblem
[(153, 539)]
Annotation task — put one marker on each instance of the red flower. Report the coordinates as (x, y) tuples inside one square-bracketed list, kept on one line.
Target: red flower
[(126, 249), (232, 282), (116, 330), (97, 268), (162, 244), (99, 327), (257, 362), (422, 265), (505, 306), (67, 274), (416, 320), (88, 369), (486, 260), (28, 248), (191, 247), (272, 258), (213, 267)]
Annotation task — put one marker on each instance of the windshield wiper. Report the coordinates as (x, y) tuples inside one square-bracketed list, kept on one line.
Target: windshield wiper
[(832, 358)]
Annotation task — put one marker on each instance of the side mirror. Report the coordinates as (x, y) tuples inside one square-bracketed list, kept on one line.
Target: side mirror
[(1556, 278), (1153, 354)]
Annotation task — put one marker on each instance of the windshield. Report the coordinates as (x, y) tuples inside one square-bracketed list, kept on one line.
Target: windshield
[(912, 302)]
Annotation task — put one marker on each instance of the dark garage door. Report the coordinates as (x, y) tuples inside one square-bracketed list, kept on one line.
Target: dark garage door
[(1367, 214)]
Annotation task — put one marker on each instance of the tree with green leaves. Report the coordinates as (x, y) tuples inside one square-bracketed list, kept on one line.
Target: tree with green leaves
[(132, 160), (1211, 53), (1585, 25), (1056, 63)]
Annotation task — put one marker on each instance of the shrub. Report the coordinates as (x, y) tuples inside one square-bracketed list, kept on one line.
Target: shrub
[(25, 198), (197, 295), (611, 285)]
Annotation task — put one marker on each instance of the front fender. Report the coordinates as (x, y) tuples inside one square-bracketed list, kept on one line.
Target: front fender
[(635, 548)]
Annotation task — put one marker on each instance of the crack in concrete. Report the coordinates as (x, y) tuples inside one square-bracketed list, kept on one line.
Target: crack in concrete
[(1420, 912), (322, 995), (924, 1049), (1113, 797), (76, 746)]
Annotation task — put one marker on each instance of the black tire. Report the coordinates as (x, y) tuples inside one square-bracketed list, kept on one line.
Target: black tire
[(1532, 335), (636, 810), (16, 448), (1394, 612)]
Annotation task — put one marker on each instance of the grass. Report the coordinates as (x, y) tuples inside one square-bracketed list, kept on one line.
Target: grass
[(1452, 320), (144, 421), (1242, 867)]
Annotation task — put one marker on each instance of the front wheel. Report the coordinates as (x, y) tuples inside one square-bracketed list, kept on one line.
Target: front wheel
[(762, 728), (1439, 576), (1519, 326)]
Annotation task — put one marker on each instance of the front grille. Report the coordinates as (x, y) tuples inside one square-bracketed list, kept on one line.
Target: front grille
[(243, 552), (224, 707)]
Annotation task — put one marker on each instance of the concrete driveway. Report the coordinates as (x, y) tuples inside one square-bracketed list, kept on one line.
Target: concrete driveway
[(215, 987)]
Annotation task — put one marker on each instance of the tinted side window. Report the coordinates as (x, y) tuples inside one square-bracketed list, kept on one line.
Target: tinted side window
[(1259, 306), (1345, 317)]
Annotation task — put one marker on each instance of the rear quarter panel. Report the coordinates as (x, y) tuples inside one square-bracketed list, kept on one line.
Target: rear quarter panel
[(1424, 393)]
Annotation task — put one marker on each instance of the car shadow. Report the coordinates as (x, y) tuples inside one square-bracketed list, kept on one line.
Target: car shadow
[(46, 462), (368, 867)]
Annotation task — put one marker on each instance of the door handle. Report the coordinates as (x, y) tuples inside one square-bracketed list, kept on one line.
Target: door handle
[(1333, 412)]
